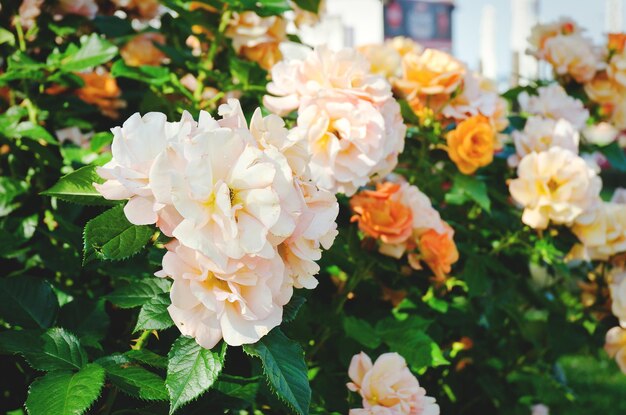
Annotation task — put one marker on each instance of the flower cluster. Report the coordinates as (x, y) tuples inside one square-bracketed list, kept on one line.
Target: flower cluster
[(347, 116), (248, 223), (403, 220), (388, 387)]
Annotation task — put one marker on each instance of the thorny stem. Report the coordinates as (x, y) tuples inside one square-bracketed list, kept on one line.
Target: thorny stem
[(224, 20), (142, 340)]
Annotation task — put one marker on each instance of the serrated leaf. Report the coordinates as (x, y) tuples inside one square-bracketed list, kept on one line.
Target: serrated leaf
[(154, 315), (148, 357), (290, 310), (133, 379), (111, 236), (191, 371), (54, 349), (87, 319), (361, 331), (77, 187), (93, 51), (237, 387), (138, 292), (284, 368), (65, 393), (27, 301)]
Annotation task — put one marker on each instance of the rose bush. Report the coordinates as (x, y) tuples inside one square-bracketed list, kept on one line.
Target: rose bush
[(200, 215)]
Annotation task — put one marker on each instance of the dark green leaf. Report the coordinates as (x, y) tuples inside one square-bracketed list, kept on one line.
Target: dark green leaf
[(133, 379), (616, 156), (469, 187), (154, 315), (361, 331), (309, 5), (77, 187), (10, 189), (28, 302), (111, 236), (139, 292), (154, 75), (266, 7), (148, 357), (87, 319), (65, 393), (290, 311), (284, 368), (191, 370)]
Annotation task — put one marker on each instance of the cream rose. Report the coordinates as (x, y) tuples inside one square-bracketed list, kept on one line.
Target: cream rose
[(540, 134), (387, 386), (554, 186), (617, 286), (258, 38), (616, 70), (572, 55), (615, 346), (384, 59), (602, 231), (553, 102)]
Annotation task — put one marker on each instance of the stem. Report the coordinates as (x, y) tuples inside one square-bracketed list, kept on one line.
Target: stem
[(20, 33), (108, 405), (142, 340), (32, 112), (224, 20)]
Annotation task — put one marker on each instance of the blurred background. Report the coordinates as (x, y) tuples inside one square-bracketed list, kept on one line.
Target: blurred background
[(489, 35)]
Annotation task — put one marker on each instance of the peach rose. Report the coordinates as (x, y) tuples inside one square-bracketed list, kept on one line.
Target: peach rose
[(404, 45), (86, 8), (555, 185), (616, 71), (380, 216), (601, 134), (616, 42), (540, 33), (602, 89), (141, 50), (552, 101), (540, 134), (388, 387), (615, 346), (29, 11), (472, 143), (258, 38), (438, 250), (431, 73), (572, 55), (540, 409), (101, 90), (384, 59)]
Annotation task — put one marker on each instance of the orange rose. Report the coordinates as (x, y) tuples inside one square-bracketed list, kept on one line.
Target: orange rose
[(438, 251), (142, 51), (102, 91), (602, 90), (616, 42), (381, 216), (472, 143), (431, 73)]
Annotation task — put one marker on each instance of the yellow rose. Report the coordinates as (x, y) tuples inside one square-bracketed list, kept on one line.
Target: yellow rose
[(472, 143)]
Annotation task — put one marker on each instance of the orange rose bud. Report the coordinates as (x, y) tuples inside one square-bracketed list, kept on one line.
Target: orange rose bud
[(472, 143), (142, 51), (568, 28), (381, 216), (102, 91), (438, 251), (616, 42)]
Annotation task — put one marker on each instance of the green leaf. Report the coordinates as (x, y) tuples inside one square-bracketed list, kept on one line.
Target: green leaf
[(35, 132), (148, 357), (10, 189), (476, 275), (139, 292), (153, 75), (55, 349), (309, 5), (407, 113), (468, 188), (154, 315), (93, 51), (191, 370), (615, 155), (6, 37), (293, 306), (27, 301), (133, 379), (77, 187), (284, 368), (266, 7), (87, 319), (237, 387), (361, 331), (65, 393), (111, 236)]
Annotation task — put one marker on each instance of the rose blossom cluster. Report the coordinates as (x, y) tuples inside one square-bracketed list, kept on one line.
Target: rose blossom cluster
[(347, 116), (247, 222), (562, 44), (615, 342), (388, 387), (439, 87), (401, 218)]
